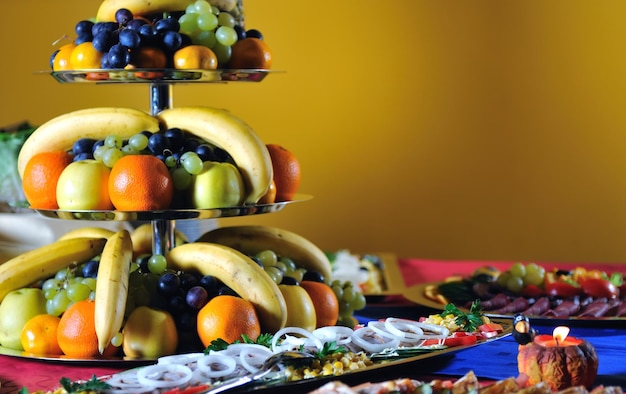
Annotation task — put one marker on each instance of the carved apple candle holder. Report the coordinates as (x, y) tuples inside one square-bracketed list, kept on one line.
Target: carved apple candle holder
[(558, 360)]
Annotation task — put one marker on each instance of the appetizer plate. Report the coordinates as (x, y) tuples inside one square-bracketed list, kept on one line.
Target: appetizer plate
[(416, 294), (419, 362)]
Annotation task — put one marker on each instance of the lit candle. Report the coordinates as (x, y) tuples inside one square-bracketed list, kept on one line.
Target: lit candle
[(544, 359), (559, 337)]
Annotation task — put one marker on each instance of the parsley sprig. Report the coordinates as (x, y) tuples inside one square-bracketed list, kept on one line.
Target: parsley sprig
[(93, 384), (330, 348), (468, 321), (220, 344)]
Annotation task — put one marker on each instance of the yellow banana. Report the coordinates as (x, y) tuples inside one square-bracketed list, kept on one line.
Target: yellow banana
[(89, 232), (237, 271), (61, 132), (45, 261), (232, 134), (107, 9), (251, 239), (224, 5), (112, 287)]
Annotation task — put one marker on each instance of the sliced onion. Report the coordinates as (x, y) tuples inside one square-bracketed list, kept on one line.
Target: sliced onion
[(341, 335), (440, 332), (291, 343), (252, 358), (358, 337), (404, 329), (379, 328), (183, 359), (153, 375), (204, 365), (125, 382)]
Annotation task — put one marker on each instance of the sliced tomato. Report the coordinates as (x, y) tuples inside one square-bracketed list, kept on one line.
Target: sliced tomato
[(458, 338), (562, 289), (599, 288), (488, 327)]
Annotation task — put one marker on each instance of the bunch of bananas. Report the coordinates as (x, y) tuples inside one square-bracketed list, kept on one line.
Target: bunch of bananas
[(215, 126), (108, 8), (223, 253)]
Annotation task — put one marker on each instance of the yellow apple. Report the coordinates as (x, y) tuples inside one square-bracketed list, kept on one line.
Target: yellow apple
[(149, 333), (16, 309), (84, 185)]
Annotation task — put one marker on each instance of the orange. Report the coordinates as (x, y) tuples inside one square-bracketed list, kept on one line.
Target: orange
[(325, 302), (39, 335), (140, 183), (227, 317), (76, 332), (287, 172), (85, 57), (270, 196), (250, 53), (61, 60), (148, 57), (40, 177), (196, 57)]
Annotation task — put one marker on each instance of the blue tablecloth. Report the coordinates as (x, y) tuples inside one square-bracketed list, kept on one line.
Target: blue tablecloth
[(498, 359)]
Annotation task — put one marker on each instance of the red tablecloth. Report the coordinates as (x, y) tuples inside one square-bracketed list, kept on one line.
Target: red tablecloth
[(16, 372)]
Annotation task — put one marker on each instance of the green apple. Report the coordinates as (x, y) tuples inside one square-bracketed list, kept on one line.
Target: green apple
[(84, 185), (16, 309), (149, 333), (218, 185)]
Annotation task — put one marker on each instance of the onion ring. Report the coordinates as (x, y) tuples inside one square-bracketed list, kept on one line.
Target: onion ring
[(404, 328), (183, 359), (249, 355), (358, 337), (341, 335), (440, 332), (125, 382), (312, 339), (204, 365), (143, 375)]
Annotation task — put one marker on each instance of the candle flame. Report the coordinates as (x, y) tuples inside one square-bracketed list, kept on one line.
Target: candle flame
[(560, 333)]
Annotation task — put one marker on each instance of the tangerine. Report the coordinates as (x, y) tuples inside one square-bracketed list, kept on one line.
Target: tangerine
[(85, 57), (39, 180), (324, 301), (251, 53), (140, 183), (76, 332), (39, 335), (287, 172), (61, 59), (227, 317), (270, 196), (196, 57)]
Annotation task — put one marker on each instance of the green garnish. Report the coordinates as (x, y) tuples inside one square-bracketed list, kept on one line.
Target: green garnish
[(93, 384), (219, 344), (330, 348), (468, 321)]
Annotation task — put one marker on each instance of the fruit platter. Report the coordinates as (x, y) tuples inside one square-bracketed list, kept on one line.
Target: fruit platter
[(580, 294)]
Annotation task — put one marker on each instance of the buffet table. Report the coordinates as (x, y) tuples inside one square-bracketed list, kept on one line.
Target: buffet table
[(491, 361)]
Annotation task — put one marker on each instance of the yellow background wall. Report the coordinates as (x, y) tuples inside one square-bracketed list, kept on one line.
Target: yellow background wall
[(446, 129)]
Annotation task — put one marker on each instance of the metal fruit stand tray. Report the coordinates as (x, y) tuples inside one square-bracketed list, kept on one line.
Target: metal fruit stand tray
[(161, 82)]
